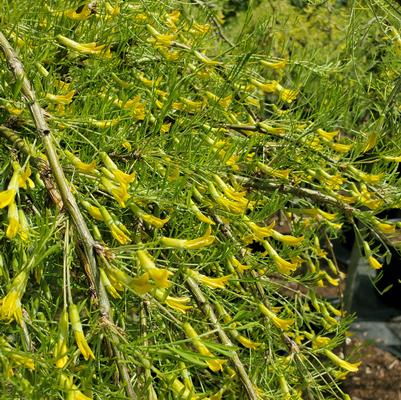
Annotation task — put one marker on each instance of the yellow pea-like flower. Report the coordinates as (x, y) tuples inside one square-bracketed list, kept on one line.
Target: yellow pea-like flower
[(10, 305), (60, 351), (159, 38), (288, 95), (280, 323), (13, 221), (80, 165), (179, 304), (78, 333), (212, 283), (92, 210), (64, 99), (327, 135), (351, 367), (267, 87), (7, 197), (117, 232), (248, 343), (85, 48), (112, 289), (274, 65), (285, 267), (287, 239), (385, 228), (215, 364), (189, 244), (159, 275)]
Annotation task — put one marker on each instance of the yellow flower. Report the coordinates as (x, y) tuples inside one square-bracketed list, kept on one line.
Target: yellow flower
[(24, 178), (61, 98), (237, 265), (159, 275), (212, 283), (78, 333), (340, 147), (392, 158), (288, 95), (206, 60), (119, 192), (332, 281), (83, 15), (73, 393), (13, 221), (104, 123), (7, 197), (60, 351), (370, 142), (85, 48), (23, 361), (92, 210), (80, 165), (280, 323), (121, 177), (193, 244), (178, 303), (154, 221), (136, 108), (268, 87), (200, 28), (385, 228), (215, 365), (160, 39), (112, 11), (283, 174), (139, 285), (287, 239), (235, 207), (249, 344), (192, 105), (148, 218), (260, 232), (115, 230), (10, 305), (108, 285), (342, 363), (198, 213), (367, 178), (23, 230), (327, 135), (274, 65), (374, 263), (222, 101), (283, 266)]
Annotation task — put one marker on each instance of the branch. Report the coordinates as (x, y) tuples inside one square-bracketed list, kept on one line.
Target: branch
[(208, 311)]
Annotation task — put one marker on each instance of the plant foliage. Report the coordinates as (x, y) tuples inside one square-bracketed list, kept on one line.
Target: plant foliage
[(211, 178)]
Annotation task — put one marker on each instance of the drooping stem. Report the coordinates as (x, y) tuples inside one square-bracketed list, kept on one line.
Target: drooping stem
[(210, 314)]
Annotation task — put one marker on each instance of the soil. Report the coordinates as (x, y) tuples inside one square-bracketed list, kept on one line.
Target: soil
[(378, 377)]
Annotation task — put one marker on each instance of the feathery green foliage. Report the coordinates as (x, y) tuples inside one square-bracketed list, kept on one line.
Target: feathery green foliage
[(212, 179)]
